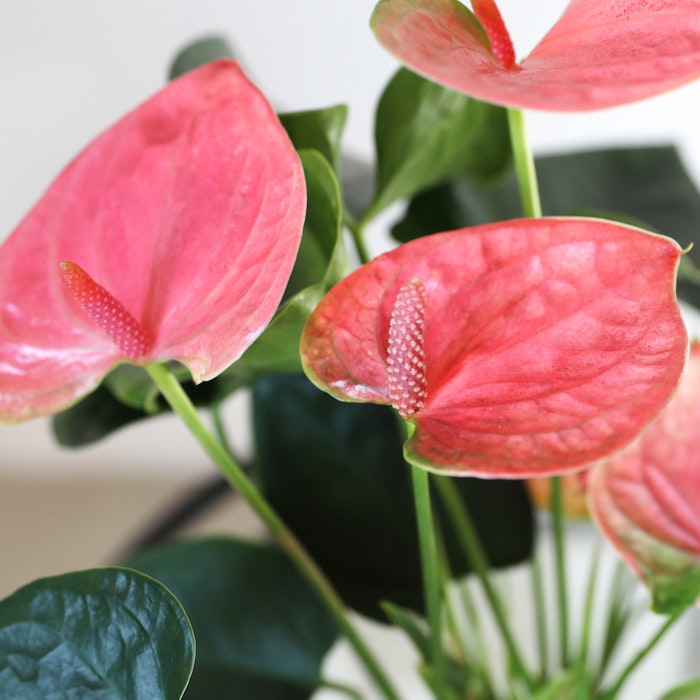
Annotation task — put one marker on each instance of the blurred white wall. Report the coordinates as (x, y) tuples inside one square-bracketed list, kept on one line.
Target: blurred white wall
[(69, 69)]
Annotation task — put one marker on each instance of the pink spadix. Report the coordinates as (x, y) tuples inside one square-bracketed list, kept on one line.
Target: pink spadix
[(106, 312), (405, 351)]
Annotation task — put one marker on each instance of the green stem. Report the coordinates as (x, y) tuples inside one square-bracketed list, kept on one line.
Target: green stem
[(588, 608), (358, 236), (540, 616), (559, 528), (181, 404), (431, 577), (524, 164), (466, 532), (637, 660)]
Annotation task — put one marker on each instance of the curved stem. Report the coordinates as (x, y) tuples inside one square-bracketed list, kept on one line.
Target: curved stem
[(466, 532), (431, 577), (358, 236), (524, 164), (181, 404)]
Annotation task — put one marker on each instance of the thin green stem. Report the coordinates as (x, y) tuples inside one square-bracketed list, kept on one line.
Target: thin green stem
[(431, 577), (524, 164), (466, 532), (540, 615), (559, 532), (588, 608), (637, 660), (171, 389), (358, 236)]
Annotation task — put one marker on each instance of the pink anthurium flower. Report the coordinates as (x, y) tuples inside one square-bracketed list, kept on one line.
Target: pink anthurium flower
[(601, 53), (519, 348), (170, 237), (646, 499)]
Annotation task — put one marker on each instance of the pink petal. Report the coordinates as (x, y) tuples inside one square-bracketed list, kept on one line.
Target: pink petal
[(548, 343), (646, 498), (188, 211), (599, 54)]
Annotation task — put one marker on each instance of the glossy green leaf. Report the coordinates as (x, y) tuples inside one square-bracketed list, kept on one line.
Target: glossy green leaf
[(261, 632), (125, 396), (426, 134), (92, 418), (318, 129), (335, 472), (199, 52), (646, 186), (104, 634)]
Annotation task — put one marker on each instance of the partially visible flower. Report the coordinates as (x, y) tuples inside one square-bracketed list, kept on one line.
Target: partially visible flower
[(520, 348), (646, 499), (601, 53), (170, 237)]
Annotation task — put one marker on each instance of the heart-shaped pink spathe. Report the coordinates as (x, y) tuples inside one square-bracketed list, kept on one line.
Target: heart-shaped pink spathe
[(646, 499), (599, 54), (543, 344), (188, 211)]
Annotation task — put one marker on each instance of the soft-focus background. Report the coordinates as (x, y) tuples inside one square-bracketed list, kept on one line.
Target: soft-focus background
[(67, 71)]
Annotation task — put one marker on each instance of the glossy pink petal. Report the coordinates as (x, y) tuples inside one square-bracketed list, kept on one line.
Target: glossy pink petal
[(520, 348), (601, 53), (187, 213), (646, 499)]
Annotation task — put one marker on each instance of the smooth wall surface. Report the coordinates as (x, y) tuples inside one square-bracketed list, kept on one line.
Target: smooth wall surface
[(69, 69)]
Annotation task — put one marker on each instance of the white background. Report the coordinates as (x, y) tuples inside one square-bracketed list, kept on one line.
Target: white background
[(69, 69)]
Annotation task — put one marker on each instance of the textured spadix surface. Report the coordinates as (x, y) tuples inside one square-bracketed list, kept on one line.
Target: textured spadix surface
[(599, 54), (646, 498), (546, 344), (188, 212)]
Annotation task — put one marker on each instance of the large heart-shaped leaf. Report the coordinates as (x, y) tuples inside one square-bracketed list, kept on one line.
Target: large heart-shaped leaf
[(261, 632), (336, 474), (104, 634)]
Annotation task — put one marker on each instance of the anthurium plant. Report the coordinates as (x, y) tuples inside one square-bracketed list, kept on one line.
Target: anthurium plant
[(521, 346)]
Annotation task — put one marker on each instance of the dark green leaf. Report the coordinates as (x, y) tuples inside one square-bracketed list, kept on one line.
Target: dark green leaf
[(95, 416), (426, 134), (318, 129), (645, 186), (261, 632), (125, 396), (335, 472), (104, 634), (198, 53)]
